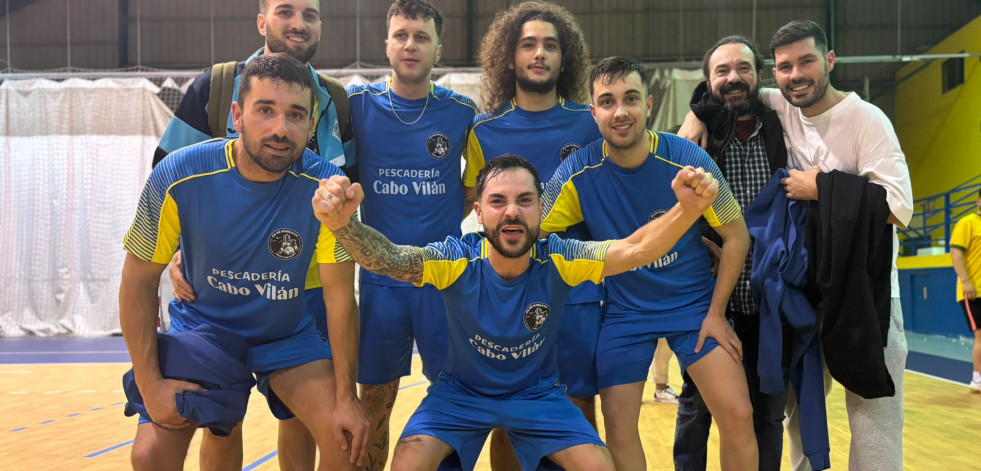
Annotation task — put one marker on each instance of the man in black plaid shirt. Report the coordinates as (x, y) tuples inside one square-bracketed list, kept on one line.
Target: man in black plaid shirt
[(746, 141)]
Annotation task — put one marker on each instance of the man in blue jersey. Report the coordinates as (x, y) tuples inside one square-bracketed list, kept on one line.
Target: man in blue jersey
[(231, 207), (504, 300), (292, 27), (535, 62), (411, 134), (615, 185)]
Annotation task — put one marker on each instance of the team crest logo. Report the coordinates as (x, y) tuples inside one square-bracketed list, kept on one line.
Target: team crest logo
[(535, 315), (438, 145), (285, 244), (568, 149), (657, 214), (337, 130)]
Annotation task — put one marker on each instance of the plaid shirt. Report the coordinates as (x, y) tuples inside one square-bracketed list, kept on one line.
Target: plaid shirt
[(747, 171)]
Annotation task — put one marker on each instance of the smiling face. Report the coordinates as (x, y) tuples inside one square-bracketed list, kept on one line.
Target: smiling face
[(803, 72), (537, 57), (291, 26), (275, 122), (511, 211), (412, 48), (620, 109), (732, 77)]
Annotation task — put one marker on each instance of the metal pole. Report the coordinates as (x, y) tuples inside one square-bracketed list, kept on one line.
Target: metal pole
[(212, 31), (947, 222), (357, 35), (899, 26), (123, 37), (7, 3), (68, 30), (139, 37)]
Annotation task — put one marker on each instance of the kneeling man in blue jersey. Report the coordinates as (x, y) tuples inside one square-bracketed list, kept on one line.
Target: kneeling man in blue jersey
[(615, 185), (235, 208), (504, 297)]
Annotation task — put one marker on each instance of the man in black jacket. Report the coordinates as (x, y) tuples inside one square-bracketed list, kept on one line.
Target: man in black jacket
[(746, 141)]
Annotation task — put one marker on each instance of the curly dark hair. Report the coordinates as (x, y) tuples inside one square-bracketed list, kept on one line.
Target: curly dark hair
[(497, 53)]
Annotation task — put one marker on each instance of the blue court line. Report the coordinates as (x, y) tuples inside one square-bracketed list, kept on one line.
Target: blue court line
[(46, 422), (19, 429), (411, 385), (118, 403), (95, 409), (946, 368), (260, 461), (73, 415), (107, 450)]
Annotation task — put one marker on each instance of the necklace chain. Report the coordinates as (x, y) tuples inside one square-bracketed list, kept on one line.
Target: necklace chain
[(392, 106)]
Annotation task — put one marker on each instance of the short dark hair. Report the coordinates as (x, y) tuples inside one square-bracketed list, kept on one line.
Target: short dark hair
[(277, 67), (413, 9), (263, 3), (503, 163), (616, 68), (798, 30), (734, 39)]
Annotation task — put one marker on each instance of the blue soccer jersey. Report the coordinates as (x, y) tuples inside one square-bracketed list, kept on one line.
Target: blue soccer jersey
[(502, 333), (615, 201), (410, 172), (544, 138), (246, 245)]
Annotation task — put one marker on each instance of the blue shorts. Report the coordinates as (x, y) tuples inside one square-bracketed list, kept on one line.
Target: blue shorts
[(313, 306), (303, 347), (539, 421), (263, 359), (626, 348), (577, 348), (390, 318)]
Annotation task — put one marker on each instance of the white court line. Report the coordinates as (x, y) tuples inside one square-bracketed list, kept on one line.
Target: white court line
[(18, 392), (117, 390), (937, 378)]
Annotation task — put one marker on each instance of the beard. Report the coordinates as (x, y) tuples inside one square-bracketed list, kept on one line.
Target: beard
[(266, 161), (281, 44), (742, 106), (530, 86), (817, 92), (520, 250)]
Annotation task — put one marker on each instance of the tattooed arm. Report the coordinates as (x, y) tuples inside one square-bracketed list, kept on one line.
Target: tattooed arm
[(334, 204)]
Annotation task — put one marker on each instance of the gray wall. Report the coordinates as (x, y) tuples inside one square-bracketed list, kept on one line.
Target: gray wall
[(177, 34)]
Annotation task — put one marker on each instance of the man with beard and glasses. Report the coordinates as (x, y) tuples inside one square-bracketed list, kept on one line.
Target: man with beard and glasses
[(831, 137), (504, 301), (615, 185), (410, 134), (292, 27), (746, 141), (231, 205), (535, 61)]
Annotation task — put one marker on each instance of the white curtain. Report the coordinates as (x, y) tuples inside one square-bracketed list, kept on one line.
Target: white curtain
[(677, 86), (74, 156)]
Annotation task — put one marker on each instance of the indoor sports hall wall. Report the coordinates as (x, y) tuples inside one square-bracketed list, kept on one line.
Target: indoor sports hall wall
[(941, 131), (73, 159)]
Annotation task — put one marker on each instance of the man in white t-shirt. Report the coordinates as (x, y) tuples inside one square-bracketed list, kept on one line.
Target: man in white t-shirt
[(826, 129)]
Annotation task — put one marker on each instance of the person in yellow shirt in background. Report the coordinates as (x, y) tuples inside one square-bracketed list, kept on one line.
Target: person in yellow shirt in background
[(965, 251)]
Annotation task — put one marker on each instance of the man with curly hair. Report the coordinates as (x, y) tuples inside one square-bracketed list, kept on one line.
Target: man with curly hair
[(535, 61)]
